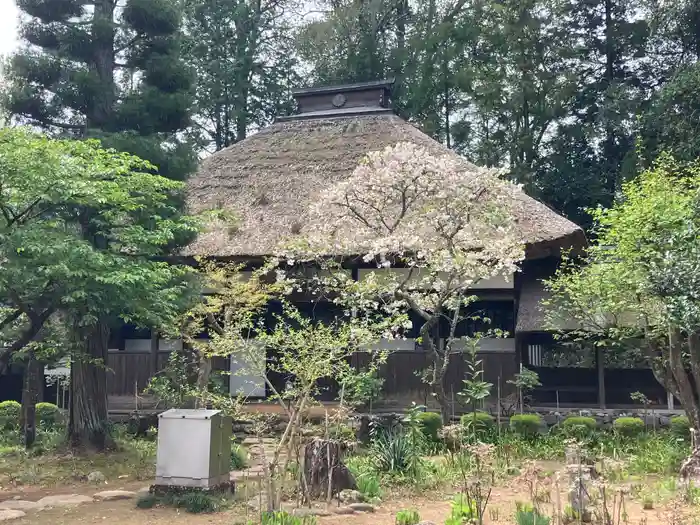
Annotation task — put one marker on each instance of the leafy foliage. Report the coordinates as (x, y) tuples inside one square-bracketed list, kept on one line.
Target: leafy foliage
[(70, 77), (478, 422), (81, 230), (361, 387), (680, 426), (527, 425), (9, 414), (578, 426), (407, 517), (405, 206), (48, 415), (526, 514), (284, 518), (629, 426), (431, 423), (639, 280), (239, 459)]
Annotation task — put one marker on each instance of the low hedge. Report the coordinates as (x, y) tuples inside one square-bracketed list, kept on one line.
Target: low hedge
[(9, 415), (431, 423), (526, 424), (628, 426), (680, 426), (578, 426), (484, 421)]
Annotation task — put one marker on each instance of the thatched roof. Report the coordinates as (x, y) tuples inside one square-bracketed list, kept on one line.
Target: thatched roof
[(269, 179)]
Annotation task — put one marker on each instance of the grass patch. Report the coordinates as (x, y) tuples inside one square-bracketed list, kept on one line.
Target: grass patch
[(50, 462)]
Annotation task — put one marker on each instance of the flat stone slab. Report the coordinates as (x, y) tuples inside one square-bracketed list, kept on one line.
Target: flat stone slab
[(114, 495), (362, 507), (303, 512), (65, 500), (10, 514), (20, 504)]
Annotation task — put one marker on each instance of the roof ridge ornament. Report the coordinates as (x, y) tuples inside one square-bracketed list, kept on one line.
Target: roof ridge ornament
[(344, 100)]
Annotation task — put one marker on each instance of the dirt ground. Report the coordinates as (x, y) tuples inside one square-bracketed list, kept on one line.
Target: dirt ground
[(434, 508)]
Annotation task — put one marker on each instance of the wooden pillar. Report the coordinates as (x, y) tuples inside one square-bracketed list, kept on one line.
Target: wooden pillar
[(155, 344), (600, 364)]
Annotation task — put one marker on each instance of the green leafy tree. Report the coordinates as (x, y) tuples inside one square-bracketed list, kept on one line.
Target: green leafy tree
[(80, 230), (106, 70), (640, 279), (243, 56)]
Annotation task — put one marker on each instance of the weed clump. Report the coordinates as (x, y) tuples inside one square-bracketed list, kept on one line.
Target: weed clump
[(680, 427)]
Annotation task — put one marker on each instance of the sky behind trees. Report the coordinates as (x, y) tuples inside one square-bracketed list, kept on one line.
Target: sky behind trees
[(8, 26)]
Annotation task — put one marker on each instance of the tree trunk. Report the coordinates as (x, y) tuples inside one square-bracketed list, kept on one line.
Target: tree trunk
[(324, 470), (88, 414), (101, 110), (33, 378)]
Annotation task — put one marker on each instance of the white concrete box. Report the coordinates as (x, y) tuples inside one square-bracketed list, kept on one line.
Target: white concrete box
[(194, 448)]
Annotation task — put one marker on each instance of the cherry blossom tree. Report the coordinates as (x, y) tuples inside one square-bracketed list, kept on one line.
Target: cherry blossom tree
[(444, 222)]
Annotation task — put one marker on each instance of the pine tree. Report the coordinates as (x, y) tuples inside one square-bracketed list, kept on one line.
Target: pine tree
[(92, 69), (99, 69)]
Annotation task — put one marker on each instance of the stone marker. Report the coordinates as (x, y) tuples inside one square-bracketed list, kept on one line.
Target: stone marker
[(65, 500), (114, 495)]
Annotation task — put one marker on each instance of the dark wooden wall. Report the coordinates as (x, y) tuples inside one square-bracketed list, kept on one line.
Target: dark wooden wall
[(129, 372)]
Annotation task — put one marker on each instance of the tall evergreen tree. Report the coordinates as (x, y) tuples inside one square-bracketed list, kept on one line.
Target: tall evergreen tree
[(242, 53), (108, 70), (98, 68)]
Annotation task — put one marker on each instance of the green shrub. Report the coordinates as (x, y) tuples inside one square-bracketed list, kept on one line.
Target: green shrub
[(430, 423), (239, 459), (463, 510), (146, 501), (48, 415), (284, 518), (198, 502), (628, 426), (526, 424), (407, 517), (9, 414), (392, 451), (578, 426), (680, 427), (482, 420), (525, 514), (369, 486)]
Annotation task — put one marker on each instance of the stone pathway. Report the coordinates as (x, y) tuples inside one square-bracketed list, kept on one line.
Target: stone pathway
[(17, 508)]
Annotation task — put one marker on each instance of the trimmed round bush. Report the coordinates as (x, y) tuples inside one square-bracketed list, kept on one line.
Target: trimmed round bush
[(628, 426), (431, 423), (578, 425), (680, 426), (47, 414), (526, 424), (9, 414), (483, 422)]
